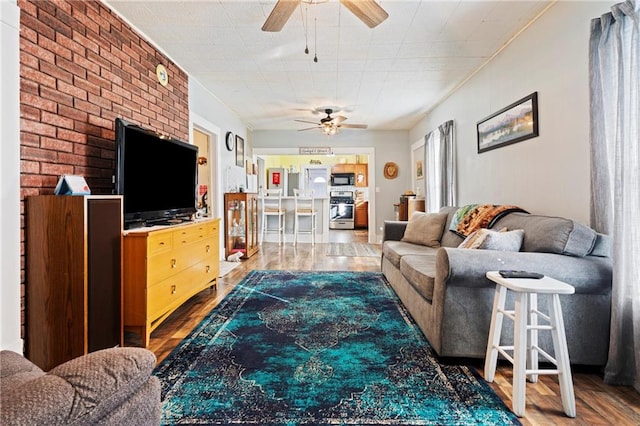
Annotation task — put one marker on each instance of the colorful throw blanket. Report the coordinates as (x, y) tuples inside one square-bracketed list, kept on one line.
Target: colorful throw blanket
[(475, 216)]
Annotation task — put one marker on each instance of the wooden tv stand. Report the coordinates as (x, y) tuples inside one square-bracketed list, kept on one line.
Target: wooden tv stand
[(164, 266)]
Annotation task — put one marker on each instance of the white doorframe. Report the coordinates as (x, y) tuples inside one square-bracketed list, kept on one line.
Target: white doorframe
[(215, 185)]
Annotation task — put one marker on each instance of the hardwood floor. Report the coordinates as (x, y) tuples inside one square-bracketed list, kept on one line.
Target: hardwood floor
[(596, 403)]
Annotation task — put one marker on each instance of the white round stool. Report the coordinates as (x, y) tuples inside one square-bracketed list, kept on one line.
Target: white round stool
[(525, 318)]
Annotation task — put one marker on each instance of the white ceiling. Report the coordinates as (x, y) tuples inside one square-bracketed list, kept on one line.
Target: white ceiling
[(387, 77)]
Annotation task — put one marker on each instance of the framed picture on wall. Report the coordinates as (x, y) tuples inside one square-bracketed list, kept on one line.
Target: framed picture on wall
[(239, 151), (419, 170), (514, 123)]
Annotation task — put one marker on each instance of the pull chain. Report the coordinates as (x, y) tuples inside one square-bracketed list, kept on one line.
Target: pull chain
[(315, 39)]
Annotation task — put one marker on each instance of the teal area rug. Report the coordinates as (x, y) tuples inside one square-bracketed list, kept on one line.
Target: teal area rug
[(320, 348)]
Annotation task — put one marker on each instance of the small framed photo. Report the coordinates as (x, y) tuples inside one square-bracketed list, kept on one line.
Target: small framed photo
[(419, 170), (514, 123), (239, 151)]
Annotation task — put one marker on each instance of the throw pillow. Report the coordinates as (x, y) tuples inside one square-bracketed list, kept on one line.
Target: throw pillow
[(503, 241), (475, 239), (425, 228)]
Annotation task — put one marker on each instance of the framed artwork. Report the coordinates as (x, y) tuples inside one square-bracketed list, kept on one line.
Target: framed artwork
[(248, 167), (419, 170), (239, 151), (514, 123)]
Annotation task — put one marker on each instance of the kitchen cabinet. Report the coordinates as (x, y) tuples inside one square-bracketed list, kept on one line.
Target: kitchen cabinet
[(361, 171), (361, 215)]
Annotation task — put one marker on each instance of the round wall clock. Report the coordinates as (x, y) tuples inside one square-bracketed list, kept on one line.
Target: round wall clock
[(390, 170), (230, 141), (161, 73)]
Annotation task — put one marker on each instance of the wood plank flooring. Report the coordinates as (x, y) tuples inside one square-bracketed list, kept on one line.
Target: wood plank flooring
[(596, 403)]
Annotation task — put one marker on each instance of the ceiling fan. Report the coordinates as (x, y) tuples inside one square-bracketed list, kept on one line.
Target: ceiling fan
[(331, 125), (368, 11)]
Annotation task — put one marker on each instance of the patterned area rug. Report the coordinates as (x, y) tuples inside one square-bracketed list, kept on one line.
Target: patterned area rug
[(292, 348), (353, 250)]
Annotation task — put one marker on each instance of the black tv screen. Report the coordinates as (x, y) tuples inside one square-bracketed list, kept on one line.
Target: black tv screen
[(156, 176)]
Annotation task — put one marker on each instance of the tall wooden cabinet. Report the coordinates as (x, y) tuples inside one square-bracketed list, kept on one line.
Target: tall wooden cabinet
[(241, 223), (73, 276), (164, 267)]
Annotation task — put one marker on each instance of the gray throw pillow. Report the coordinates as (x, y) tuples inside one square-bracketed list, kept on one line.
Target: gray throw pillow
[(425, 228), (503, 241)]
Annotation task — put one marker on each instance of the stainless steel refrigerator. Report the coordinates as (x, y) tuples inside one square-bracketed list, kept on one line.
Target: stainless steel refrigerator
[(293, 182)]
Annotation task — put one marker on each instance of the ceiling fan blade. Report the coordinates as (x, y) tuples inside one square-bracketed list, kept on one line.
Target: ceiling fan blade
[(308, 128), (280, 15), (368, 11), (338, 119), (305, 121), (353, 126)]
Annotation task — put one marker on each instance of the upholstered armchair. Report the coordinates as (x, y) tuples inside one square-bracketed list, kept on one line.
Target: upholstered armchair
[(107, 387)]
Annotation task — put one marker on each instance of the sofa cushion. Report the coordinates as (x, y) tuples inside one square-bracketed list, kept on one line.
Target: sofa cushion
[(550, 234), (420, 271), (449, 238), (602, 246), (394, 250), (425, 229)]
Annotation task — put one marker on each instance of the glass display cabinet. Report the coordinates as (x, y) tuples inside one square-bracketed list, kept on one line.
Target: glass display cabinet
[(241, 223)]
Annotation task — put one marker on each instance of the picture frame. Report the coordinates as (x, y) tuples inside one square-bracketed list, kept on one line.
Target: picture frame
[(514, 123), (239, 151), (419, 170)]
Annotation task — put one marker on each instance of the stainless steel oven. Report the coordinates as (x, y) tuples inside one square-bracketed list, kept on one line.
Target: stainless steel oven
[(341, 210)]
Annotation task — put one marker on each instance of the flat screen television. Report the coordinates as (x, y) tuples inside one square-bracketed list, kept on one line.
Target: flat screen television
[(156, 176)]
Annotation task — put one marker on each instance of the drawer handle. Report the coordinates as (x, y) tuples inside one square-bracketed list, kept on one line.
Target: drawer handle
[(208, 268), (161, 243), (208, 248), (173, 263), (173, 289)]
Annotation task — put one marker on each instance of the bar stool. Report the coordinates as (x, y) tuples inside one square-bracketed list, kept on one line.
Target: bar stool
[(525, 318), (272, 206), (304, 207)]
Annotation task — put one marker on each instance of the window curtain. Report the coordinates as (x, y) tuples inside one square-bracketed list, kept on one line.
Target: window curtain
[(615, 175), (439, 160)]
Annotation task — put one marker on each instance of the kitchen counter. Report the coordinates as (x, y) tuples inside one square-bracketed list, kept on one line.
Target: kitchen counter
[(288, 203)]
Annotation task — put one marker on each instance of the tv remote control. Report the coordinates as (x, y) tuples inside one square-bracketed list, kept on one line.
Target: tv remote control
[(520, 274)]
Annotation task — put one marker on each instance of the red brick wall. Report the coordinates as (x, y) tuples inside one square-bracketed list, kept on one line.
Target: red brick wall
[(81, 66)]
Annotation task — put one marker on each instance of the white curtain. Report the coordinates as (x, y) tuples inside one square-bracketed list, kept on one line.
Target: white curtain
[(615, 175), (439, 160)]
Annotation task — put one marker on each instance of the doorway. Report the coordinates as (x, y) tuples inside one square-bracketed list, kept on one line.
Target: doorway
[(266, 155)]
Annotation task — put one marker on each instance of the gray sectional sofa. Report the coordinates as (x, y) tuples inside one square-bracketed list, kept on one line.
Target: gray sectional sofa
[(446, 291)]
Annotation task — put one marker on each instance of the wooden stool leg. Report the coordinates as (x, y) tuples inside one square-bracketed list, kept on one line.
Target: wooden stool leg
[(495, 331), (562, 357), (520, 353), (532, 356)]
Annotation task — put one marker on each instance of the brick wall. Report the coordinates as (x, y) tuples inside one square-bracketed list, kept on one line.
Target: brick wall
[(81, 66)]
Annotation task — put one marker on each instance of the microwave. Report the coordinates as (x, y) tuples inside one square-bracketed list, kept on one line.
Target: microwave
[(343, 179)]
